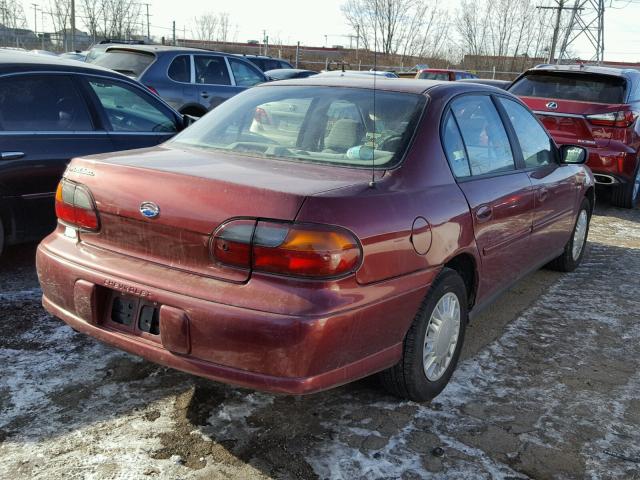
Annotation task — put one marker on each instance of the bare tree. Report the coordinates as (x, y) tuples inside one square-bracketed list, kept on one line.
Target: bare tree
[(206, 26), (225, 27), (397, 27), (60, 11), (92, 11)]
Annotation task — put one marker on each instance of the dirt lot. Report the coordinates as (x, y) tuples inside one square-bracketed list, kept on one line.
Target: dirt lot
[(548, 389)]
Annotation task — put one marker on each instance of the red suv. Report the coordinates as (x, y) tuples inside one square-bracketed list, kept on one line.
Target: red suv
[(596, 107)]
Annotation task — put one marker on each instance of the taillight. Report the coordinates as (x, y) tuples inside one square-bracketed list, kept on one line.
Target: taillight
[(292, 249), (75, 206), (621, 118), (152, 90)]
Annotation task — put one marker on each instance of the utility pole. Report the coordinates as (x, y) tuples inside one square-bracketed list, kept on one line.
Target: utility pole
[(148, 26), (556, 28), (357, 42), (73, 24), (174, 33), (35, 18), (297, 53)]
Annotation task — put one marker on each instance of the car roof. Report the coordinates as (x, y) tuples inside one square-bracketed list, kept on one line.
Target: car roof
[(581, 68), (21, 61), (157, 48), (293, 70), (403, 85), (265, 57), (441, 70)]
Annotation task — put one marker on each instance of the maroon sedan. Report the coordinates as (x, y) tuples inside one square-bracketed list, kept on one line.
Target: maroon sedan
[(310, 232)]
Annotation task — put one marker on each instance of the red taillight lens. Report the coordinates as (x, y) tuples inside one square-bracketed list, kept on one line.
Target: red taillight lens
[(152, 90), (300, 250), (75, 206), (621, 118)]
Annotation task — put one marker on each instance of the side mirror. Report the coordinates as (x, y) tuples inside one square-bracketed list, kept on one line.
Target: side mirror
[(188, 120), (573, 154)]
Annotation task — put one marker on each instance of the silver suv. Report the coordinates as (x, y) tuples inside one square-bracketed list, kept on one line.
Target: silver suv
[(191, 80)]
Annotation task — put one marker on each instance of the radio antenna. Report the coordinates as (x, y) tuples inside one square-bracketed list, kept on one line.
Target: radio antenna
[(372, 183)]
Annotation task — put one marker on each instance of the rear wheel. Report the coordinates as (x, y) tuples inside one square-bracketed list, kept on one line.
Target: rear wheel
[(626, 195), (432, 345), (576, 246)]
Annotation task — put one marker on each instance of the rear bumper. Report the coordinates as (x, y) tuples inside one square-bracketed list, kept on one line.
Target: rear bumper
[(294, 354), (612, 167)]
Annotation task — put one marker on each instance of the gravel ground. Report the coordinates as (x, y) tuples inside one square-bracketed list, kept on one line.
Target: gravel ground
[(548, 388)]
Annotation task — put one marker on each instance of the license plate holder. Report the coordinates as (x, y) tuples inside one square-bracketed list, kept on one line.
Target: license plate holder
[(134, 314)]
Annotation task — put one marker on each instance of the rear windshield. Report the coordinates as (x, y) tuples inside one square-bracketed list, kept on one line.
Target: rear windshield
[(123, 61), (434, 76), (330, 125), (567, 86)]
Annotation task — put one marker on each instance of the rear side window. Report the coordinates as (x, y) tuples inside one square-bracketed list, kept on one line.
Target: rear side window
[(571, 86), (42, 103), (534, 141), (484, 135), (454, 148), (180, 69), (129, 110), (211, 70), (127, 62), (244, 74)]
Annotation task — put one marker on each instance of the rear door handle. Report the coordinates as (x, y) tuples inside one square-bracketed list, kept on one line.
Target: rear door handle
[(204, 94), (11, 155), (484, 213)]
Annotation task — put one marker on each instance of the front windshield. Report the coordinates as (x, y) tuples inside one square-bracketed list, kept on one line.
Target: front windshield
[(332, 125)]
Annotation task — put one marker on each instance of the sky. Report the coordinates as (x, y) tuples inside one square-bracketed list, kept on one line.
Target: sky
[(308, 21)]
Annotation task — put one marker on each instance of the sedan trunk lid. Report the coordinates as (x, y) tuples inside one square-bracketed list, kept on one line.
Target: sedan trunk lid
[(195, 191)]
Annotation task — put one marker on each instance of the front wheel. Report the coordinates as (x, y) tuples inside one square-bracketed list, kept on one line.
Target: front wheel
[(575, 247), (432, 345)]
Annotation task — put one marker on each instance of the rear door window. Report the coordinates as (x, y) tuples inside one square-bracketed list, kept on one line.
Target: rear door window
[(129, 110), (128, 62), (244, 74), (533, 139), (42, 103), (580, 87), (211, 70), (180, 69), (484, 135)]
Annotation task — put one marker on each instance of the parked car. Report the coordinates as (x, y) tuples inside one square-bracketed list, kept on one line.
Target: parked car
[(307, 256), (360, 73), (596, 107), (288, 73), (503, 84), (443, 74), (265, 63), (191, 80), (77, 55), (53, 109)]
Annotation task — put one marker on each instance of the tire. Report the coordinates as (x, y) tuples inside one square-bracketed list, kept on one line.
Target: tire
[(194, 112), (408, 378), (626, 195), (569, 261)]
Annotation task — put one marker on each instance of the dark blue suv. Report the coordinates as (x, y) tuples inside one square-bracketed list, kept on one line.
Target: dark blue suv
[(191, 80)]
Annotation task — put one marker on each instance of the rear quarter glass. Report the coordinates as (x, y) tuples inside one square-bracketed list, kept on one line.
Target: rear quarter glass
[(327, 125)]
